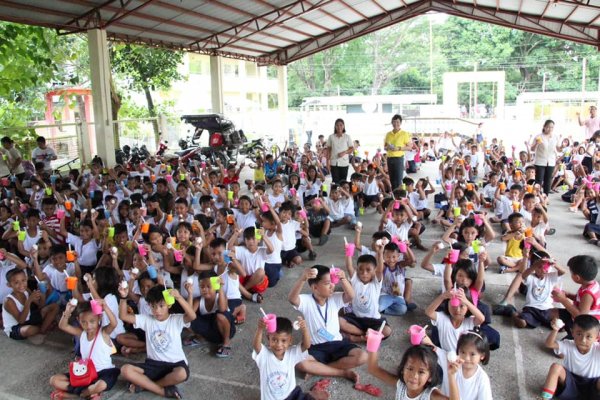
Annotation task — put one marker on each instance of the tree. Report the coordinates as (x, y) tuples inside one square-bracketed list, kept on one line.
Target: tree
[(146, 69)]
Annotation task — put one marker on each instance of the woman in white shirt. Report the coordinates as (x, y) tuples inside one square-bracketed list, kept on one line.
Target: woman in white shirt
[(544, 146)]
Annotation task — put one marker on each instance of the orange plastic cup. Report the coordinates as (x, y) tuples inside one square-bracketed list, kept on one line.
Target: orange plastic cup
[(68, 205), (230, 219), (516, 206), (145, 227), (152, 178), (70, 256), (169, 217), (529, 189), (518, 174), (470, 206), (71, 282), (470, 186), (528, 232), (502, 186), (216, 191)]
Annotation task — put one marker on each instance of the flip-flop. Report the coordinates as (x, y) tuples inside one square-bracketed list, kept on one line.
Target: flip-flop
[(257, 298), (240, 319), (368, 389), (57, 395), (322, 385)]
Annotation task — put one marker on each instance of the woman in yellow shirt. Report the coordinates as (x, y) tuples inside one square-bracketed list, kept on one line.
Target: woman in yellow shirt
[(396, 143)]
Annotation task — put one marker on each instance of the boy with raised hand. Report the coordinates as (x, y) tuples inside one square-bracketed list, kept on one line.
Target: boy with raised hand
[(277, 361), (578, 376), (166, 364), (330, 354)]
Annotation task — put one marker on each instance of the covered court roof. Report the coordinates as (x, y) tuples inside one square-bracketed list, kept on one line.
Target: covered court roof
[(282, 31)]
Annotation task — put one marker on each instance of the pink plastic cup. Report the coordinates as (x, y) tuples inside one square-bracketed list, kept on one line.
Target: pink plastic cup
[(417, 334), (448, 187), (302, 213), (373, 340), (271, 322), (527, 245), (142, 250), (396, 204), (454, 301), (60, 214), (350, 247), (478, 219), (5, 182), (453, 257), (264, 207), (178, 254), (169, 178), (402, 246), (293, 192), (333, 273), (96, 307)]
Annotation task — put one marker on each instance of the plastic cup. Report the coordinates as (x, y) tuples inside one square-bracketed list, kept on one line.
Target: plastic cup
[(68, 205), (350, 247), (215, 282), (230, 219), (454, 254), (16, 226), (152, 178), (169, 178), (257, 234), (546, 267), (502, 186), (361, 211), (264, 207), (21, 236), (271, 322), (456, 211), (470, 186), (5, 182), (373, 340), (111, 231), (230, 195), (402, 246), (478, 219), (96, 307), (152, 272), (333, 273), (169, 299), (178, 255), (70, 256), (142, 250), (42, 287), (145, 227), (417, 334), (60, 214), (293, 192), (516, 206), (324, 188), (476, 246), (302, 213), (527, 245), (528, 232), (71, 282), (396, 204), (48, 191), (182, 177)]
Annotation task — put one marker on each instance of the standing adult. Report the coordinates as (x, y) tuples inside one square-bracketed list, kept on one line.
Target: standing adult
[(544, 146), (13, 158), (339, 147), (592, 124), (396, 142), (44, 154)]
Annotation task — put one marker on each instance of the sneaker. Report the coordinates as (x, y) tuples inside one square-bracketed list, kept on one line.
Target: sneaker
[(503, 268), (411, 307), (312, 255), (323, 239)]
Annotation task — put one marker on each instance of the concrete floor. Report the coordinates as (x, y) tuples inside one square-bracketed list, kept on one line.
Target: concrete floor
[(517, 370)]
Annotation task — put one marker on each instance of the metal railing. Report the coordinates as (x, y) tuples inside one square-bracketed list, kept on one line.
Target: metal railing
[(437, 125)]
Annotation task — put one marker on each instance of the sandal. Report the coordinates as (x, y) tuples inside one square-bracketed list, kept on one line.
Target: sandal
[(257, 298), (322, 385), (97, 396), (369, 389), (223, 352), (240, 319), (135, 388), (57, 395), (172, 392), (593, 241)]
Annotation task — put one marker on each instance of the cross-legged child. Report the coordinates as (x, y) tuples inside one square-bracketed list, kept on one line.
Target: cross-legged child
[(95, 344), (366, 281), (330, 354), (166, 365), (579, 375), (276, 362)]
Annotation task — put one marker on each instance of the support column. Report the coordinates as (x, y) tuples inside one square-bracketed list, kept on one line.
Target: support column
[(282, 97), (100, 74), (216, 84)]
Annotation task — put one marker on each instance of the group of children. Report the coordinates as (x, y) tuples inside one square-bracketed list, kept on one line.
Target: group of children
[(166, 253)]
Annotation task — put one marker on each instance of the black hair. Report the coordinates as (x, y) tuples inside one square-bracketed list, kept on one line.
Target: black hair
[(287, 206), (586, 322), (470, 223), (32, 212), (446, 304), (120, 228), (155, 295), (382, 234), (408, 181), (335, 123), (465, 265), (57, 249), (181, 200), (249, 232), (460, 246), (13, 272), (514, 216), (585, 266), (206, 275), (145, 275), (516, 186), (397, 117), (83, 307), (284, 325), (367, 259), (426, 355), (107, 281), (477, 338), (184, 224), (217, 242), (48, 201), (391, 247), (321, 270)]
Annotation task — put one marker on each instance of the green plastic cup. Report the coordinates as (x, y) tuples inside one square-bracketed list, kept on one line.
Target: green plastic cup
[(21, 236)]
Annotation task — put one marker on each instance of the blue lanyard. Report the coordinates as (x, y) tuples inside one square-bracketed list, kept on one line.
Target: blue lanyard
[(319, 308)]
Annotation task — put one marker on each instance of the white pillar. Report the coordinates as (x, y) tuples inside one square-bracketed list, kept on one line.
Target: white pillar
[(100, 74), (216, 84), (282, 99)]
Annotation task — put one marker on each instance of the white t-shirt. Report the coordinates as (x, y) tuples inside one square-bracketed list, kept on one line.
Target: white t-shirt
[(438, 270), (416, 201), (244, 220), (87, 253), (8, 319), (289, 230), (477, 387), (336, 208), (489, 191), (251, 261), (5, 266), (163, 338), (539, 291), (322, 321), (278, 377), (43, 155), (447, 333), (584, 365), (57, 278), (365, 303), (399, 231), (275, 256)]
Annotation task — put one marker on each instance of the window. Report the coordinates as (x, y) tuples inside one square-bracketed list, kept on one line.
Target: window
[(231, 70), (195, 65)]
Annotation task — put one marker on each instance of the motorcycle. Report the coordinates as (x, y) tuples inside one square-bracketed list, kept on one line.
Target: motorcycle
[(256, 146)]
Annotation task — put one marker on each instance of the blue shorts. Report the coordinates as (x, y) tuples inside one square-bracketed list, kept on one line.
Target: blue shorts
[(232, 304), (35, 319), (207, 327), (156, 370), (364, 323), (536, 317), (329, 352), (288, 255), (108, 375), (577, 388)]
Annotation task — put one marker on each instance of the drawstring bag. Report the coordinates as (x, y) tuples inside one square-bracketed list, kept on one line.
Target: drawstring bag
[(82, 373)]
